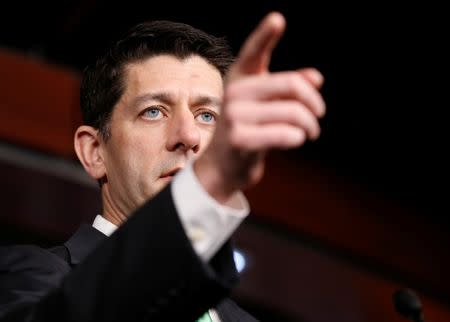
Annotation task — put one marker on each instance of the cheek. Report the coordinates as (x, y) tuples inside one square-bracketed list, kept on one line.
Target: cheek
[(148, 152), (124, 156), (140, 146), (206, 135), (122, 163)]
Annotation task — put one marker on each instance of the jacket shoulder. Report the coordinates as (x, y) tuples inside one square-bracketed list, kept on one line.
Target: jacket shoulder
[(20, 258), (27, 273)]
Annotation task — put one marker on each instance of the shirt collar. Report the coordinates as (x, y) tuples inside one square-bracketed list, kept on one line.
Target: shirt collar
[(103, 225)]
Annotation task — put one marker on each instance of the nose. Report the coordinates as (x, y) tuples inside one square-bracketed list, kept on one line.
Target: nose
[(183, 133)]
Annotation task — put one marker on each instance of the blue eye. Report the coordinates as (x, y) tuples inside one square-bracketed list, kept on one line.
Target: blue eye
[(153, 113), (207, 117)]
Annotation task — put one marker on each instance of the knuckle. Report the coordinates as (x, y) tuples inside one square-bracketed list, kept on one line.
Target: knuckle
[(280, 137), (294, 83), (293, 113), (293, 80)]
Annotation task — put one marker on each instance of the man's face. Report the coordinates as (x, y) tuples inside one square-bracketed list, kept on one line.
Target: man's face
[(166, 116)]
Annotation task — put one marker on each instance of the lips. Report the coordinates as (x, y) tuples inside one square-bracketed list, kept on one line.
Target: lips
[(171, 173)]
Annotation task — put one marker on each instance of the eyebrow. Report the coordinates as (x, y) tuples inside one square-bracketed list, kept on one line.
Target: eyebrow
[(169, 99)]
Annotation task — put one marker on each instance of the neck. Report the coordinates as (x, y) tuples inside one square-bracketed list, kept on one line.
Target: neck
[(111, 210)]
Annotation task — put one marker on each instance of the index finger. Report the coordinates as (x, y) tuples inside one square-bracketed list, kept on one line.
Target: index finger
[(254, 56)]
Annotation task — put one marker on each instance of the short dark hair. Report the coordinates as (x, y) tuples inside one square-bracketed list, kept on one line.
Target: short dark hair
[(102, 82)]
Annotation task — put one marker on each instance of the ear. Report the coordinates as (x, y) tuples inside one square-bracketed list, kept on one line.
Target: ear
[(87, 142)]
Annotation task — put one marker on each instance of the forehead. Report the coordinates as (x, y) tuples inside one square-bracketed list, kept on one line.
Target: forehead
[(192, 75)]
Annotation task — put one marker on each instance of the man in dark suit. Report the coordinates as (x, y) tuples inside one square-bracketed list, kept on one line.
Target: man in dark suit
[(170, 172)]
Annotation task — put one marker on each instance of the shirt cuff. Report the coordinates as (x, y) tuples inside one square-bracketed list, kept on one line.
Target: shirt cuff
[(207, 223)]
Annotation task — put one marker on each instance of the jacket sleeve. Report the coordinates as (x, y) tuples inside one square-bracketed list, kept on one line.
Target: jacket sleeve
[(146, 271), (27, 273)]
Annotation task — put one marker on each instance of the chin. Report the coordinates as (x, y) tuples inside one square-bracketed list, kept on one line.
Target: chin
[(160, 184)]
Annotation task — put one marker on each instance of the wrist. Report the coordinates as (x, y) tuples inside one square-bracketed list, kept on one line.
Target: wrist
[(212, 180)]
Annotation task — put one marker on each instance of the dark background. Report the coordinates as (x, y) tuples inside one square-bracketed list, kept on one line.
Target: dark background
[(385, 68), (383, 64)]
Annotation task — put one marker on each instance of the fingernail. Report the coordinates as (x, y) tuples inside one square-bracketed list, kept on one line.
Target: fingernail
[(301, 136), (318, 77), (322, 111), (316, 135)]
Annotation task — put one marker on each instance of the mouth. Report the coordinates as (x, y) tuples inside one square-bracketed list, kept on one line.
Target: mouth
[(171, 173)]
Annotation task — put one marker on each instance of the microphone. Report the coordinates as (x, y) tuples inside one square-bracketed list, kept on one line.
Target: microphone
[(407, 303)]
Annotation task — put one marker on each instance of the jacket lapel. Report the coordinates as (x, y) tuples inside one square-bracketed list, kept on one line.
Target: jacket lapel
[(229, 311), (82, 243)]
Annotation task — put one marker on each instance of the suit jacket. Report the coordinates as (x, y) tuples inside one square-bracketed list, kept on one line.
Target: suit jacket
[(146, 271)]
